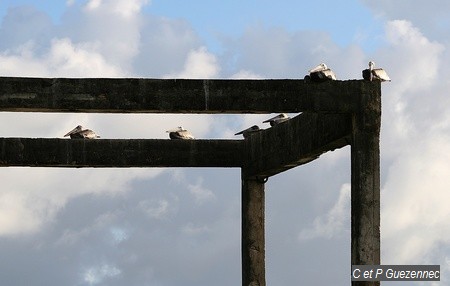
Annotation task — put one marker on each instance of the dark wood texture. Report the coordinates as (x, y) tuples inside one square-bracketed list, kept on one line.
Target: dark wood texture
[(176, 95), (76, 153), (295, 142)]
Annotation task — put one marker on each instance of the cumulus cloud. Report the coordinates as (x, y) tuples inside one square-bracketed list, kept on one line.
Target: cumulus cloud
[(28, 204), (149, 226), (199, 64), (200, 193), (64, 59), (415, 142), (97, 274), (155, 208), (430, 16), (94, 53), (333, 223), (278, 53)]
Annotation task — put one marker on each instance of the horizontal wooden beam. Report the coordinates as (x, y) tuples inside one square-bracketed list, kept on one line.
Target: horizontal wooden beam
[(295, 142), (76, 153), (132, 95)]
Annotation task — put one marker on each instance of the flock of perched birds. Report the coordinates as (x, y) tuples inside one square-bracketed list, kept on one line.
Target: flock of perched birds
[(320, 73)]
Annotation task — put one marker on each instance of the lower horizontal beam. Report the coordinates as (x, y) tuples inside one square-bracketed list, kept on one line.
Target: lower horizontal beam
[(108, 153), (295, 142)]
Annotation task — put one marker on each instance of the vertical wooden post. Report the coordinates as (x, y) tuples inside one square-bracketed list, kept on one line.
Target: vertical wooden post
[(365, 180), (253, 242)]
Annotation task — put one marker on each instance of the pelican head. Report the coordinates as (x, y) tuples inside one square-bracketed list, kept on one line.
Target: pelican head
[(254, 128), (75, 130), (319, 68), (178, 129), (249, 130), (371, 65), (277, 119), (282, 116)]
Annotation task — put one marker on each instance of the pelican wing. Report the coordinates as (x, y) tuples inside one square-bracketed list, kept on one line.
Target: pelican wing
[(184, 134), (328, 74), (74, 131), (277, 119), (321, 73), (380, 74), (318, 68), (88, 134), (79, 133), (181, 135), (248, 131)]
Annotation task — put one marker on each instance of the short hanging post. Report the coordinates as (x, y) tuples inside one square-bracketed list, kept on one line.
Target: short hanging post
[(253, 249)]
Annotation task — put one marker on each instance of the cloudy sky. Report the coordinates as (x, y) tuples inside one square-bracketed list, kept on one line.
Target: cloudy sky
[(182, 226)]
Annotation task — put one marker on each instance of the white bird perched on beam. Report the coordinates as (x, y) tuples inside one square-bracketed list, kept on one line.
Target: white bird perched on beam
[(277, 119), (375, 74), (180, 133), (320, 73), (249, 131), (78, 132)]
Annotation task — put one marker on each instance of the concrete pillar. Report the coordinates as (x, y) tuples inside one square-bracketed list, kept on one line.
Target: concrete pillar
[(253, 242), (365, 181)]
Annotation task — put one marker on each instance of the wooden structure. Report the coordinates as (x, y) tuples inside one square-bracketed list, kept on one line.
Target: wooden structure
[(334, 114)]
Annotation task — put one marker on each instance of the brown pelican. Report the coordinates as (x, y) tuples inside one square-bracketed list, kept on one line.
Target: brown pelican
[(277, 119), (78, 132), (180, 133), (249, 131), (320, 73), (375, 74)]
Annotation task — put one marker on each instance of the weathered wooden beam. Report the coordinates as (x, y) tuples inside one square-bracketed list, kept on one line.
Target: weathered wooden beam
[(295, 142), (76, 153), (253, 238), (365, 181), (103, 95)]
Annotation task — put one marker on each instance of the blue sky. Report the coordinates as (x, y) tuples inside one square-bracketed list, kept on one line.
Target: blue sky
[(182, 226), (230, 18)]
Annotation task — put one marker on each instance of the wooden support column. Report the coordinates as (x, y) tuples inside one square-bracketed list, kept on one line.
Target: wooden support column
[(365, 180), (253, 242)]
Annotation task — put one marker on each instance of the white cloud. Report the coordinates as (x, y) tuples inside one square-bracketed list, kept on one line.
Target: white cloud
[(192, 229), (199, 64), (123, 8), (93, 4), (416, 58), (30, 204), (415, 147), (155, 208), (97, 274), (429, 16), (415, 196), (200, 193), (114, 39), (64, 59), (333, 223)]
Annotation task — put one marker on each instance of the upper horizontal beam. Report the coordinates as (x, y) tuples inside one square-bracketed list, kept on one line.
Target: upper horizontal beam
[(296, 142), (102, 95), (76, 153)]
